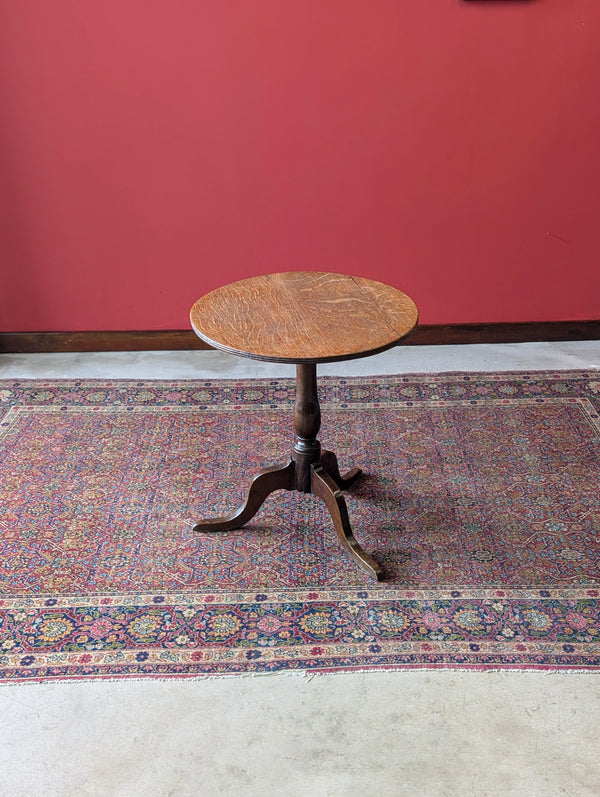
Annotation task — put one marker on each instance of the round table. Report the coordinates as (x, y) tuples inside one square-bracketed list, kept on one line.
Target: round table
[(305, 318)]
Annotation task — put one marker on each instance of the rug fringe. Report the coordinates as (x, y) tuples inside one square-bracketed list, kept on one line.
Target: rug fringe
[(304, 675)]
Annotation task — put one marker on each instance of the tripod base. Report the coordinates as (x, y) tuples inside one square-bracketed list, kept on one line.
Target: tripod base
[(323, 479)]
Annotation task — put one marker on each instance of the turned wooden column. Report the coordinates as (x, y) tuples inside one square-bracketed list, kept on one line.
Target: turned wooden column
[(307, 422)]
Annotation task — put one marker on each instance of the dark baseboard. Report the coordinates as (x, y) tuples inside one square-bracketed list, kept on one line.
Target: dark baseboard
[(181, 340)]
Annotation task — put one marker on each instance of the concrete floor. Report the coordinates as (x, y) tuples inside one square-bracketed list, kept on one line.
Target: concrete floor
[(419, 734)]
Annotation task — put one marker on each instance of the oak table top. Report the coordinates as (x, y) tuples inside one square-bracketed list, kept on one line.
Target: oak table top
[(304, 317)]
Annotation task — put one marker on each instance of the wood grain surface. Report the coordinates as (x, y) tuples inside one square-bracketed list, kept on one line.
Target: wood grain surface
[(304, 317)]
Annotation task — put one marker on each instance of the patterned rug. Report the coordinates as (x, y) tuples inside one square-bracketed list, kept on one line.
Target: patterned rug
[(480, 500)]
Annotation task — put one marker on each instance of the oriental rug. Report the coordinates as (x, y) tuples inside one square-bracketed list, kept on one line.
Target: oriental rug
[(480, 499)]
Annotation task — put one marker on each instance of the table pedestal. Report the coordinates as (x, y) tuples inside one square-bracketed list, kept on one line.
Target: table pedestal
[(310, 470)]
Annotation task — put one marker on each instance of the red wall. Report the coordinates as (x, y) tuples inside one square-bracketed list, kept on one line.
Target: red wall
[(151, 151)]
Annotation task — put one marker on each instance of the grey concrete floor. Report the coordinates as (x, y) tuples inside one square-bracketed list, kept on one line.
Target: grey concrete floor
[(419, 734), (214, 364)]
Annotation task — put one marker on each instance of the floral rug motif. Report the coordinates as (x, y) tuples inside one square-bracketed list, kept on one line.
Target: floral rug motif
[(480, 498)]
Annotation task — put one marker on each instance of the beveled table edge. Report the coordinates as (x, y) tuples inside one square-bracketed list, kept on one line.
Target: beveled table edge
[(299, 360)]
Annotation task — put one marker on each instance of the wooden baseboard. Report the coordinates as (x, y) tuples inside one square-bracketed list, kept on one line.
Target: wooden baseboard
[(181, 340)]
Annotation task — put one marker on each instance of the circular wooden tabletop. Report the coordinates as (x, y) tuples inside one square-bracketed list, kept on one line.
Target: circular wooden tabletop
[(304, 317)]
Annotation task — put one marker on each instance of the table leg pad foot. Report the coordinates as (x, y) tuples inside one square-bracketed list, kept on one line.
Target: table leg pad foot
[(325, 487), (330, 466), (280, 477)]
